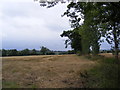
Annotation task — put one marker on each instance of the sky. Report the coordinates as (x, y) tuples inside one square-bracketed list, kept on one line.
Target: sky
[(24, 24)]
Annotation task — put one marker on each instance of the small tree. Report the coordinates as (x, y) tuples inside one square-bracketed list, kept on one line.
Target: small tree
[(33, 52), (4, 52), (44, 50), (25, 52)]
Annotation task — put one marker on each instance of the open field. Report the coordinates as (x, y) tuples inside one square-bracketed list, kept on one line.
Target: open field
[(108, 54), (47, 71)]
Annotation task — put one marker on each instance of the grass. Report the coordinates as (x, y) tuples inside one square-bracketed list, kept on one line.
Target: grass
[(103, 75), (60, 71), (10, 84), (94, 58), (33, 86)]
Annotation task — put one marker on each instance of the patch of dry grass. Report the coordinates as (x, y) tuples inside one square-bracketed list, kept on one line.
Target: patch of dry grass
[(108, 54), (45, 71)]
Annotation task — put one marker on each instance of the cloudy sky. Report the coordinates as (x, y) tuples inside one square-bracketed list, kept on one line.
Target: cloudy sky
[(24, 24)]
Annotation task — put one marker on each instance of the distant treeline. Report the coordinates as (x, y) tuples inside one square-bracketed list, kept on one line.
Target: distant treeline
[(106, 51), (26, 52)]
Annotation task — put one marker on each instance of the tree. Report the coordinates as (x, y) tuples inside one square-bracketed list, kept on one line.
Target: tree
[(25, 52), (4, 52), (48, 4), (74, 39), (0, 52), (76, 14), (111, 26), (102, 16), (44, 50), (12, 52), (89, 29), (33, 52)]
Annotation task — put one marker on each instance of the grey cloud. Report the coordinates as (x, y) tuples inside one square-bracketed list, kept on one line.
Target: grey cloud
[(27, 25)]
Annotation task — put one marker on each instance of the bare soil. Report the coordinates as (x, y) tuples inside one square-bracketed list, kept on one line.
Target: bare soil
[(44, 71)]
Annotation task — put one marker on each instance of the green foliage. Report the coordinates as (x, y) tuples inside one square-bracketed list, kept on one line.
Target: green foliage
[(4, 52), (25, 52), (98, 21), (71, 52), (45, 51), (74, 39), (12, 52), (110, 26), (0, 53), (98, 18), (88, 30), (33, 52)]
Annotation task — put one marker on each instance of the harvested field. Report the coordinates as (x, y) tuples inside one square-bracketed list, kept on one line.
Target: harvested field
[(45, 71), (108, 54)]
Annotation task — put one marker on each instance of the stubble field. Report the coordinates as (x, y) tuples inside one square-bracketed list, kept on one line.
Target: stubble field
[(45, 71)]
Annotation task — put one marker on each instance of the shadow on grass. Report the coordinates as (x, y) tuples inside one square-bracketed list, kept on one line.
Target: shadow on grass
[(104, 75)]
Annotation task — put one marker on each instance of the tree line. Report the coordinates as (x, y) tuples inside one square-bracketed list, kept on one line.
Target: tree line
[(101, 20), (26, 52)]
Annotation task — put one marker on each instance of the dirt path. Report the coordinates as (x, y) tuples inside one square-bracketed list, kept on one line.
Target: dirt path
[(52, 71)]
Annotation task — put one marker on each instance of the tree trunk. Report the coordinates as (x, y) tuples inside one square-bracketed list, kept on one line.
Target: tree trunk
[(116, 45)]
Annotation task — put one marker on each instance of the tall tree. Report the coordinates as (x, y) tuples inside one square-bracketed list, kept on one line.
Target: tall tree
[(107, 19), (89, 29), (110, 24), (101, 16)]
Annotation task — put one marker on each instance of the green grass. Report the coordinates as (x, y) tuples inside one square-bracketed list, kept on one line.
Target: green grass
[(94, 58), (33, 86), (103, 75), (9, 84)]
